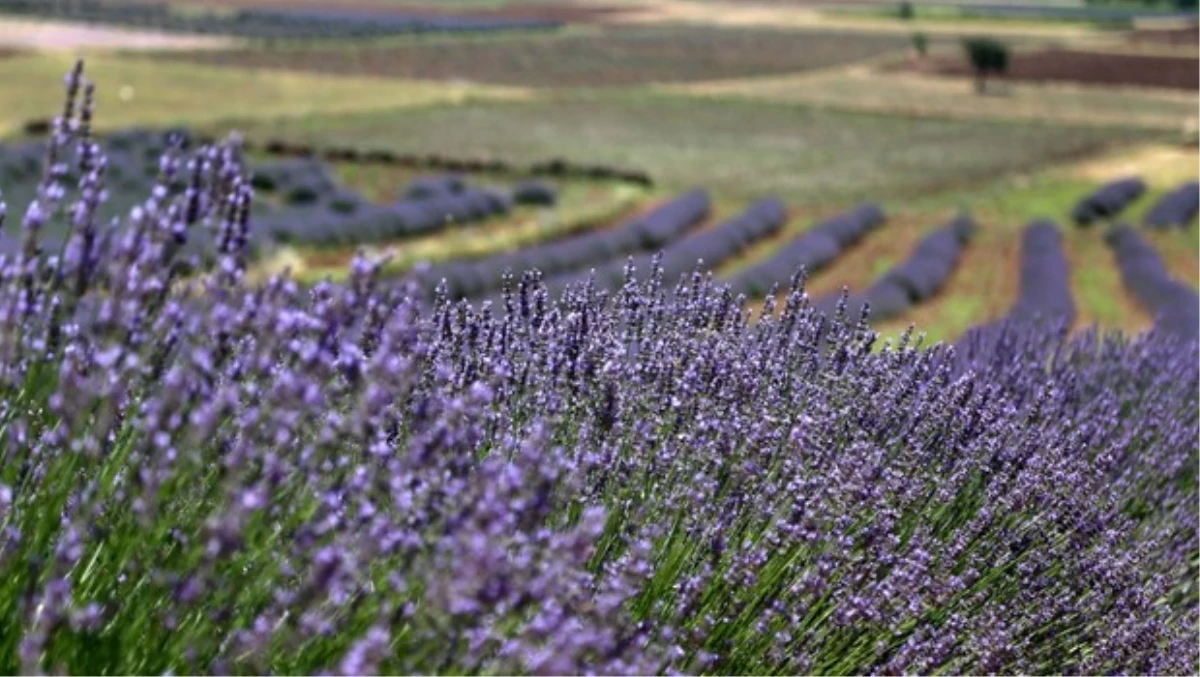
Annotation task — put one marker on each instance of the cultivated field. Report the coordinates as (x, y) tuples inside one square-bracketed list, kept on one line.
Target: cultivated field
[(591, 58), (894, 91), (738, 148)]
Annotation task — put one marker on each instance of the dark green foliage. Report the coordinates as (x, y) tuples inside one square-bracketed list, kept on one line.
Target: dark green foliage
[(920, 43), (988, 56)]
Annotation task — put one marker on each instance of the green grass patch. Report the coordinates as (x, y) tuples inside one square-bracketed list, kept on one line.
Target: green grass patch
[(158, 92), (808, 157)]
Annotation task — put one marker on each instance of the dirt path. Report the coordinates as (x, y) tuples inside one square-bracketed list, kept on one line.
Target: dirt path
[(61, 36)]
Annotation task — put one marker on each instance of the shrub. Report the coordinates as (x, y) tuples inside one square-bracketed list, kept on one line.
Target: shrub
[(920, 43), (988, 57), (534, 193)]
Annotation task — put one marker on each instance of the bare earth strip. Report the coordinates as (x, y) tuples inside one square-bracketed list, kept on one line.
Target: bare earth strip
[(72, 37)]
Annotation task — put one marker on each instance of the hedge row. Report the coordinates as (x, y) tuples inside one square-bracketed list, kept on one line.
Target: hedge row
[(649, 231), (1174, 305), (919, 277), (813, 250), (556, 167)]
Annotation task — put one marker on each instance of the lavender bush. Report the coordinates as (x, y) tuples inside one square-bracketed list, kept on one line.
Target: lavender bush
[(205, 476)]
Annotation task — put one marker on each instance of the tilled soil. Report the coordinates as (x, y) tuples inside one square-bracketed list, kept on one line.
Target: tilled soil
[(1093, 68)]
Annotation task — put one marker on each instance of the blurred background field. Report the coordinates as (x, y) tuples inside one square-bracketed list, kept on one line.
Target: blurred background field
[(821, 104)]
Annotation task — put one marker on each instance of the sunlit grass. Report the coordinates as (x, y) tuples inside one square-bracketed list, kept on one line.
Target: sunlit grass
[(139, 91)]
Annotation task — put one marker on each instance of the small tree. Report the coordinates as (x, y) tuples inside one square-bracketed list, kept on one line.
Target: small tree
[(920, 43), (987, 56), (905, 11)]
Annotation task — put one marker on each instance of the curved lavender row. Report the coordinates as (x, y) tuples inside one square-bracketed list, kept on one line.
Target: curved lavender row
[(919, 277), (662, 225), (702, 251), (1174, 305), (1176, 209), (260, 479), (343, 217), (1108, 201), (812, 250)]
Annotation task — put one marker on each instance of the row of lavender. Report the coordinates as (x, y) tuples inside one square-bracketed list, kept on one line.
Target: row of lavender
[(265, 23), (306, 203), (812, 251), (322, 213), (1045, 288), (604, 259), (703, 251), (1174, 305), (918, 278), (657, 227), (1044, 297), (558, 168), (1175, 209), (267, 480)]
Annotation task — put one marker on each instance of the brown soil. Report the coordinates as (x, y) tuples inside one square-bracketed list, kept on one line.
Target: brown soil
[(1093, 68)]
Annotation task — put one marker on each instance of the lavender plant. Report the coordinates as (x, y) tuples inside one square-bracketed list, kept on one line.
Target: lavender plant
[(202, 475)]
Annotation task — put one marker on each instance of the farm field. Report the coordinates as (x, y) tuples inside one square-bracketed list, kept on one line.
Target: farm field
[(652, 337), (734, 147), (909, 94), (585, 58)]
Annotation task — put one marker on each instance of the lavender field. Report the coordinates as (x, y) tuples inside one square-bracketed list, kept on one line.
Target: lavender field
[(208, 474)]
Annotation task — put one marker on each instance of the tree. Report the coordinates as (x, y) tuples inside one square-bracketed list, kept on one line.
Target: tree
[(905, 11), (920, 43), (988, 56)]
